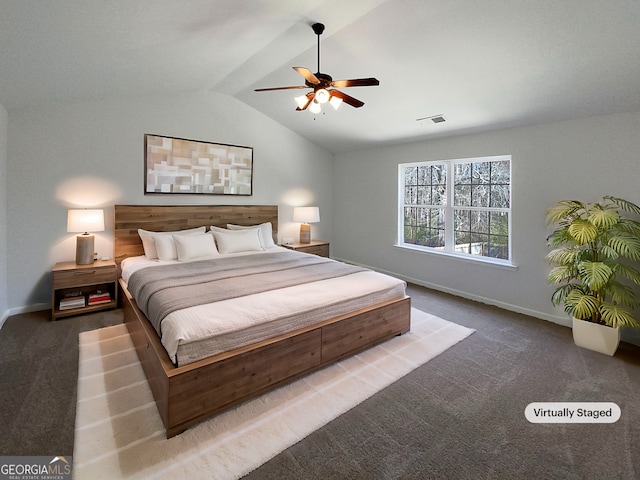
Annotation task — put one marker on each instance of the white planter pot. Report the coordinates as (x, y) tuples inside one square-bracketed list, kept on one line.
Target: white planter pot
[(596, 337)]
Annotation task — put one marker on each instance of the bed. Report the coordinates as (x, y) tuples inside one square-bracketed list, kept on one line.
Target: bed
[(189, 391)]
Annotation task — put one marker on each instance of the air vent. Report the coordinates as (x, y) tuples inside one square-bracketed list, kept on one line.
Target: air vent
[(432, 119)]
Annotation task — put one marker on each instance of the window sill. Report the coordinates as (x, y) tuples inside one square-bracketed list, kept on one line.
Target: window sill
[(493, 262)]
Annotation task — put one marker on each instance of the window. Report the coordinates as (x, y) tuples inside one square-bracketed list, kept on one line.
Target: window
[(457, 206)]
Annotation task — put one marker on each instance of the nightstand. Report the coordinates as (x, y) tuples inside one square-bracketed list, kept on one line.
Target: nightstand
[(317, 247), (79, 289)]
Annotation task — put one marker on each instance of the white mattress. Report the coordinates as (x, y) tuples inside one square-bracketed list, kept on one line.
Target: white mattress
[(201, 331)]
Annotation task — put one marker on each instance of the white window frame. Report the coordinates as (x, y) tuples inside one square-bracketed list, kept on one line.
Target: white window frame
[(449, 248)]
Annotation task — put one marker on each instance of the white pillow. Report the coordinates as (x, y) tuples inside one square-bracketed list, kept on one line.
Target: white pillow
[(214, 229), (234, 241), (192, 247), (149, 244), (166, 247), (266, 233)]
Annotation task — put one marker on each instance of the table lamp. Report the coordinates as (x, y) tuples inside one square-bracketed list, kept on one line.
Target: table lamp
[(85, 221), (306, 215)]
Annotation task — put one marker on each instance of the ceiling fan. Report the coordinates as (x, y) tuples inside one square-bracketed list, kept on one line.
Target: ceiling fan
[(324, 87)]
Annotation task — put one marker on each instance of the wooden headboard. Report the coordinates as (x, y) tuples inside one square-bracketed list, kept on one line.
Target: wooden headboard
[(166, 218)]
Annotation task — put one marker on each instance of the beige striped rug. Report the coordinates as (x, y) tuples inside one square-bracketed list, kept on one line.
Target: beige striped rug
[(119, 433)]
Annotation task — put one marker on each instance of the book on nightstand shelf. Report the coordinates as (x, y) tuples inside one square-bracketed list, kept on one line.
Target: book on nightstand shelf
[(97, 298), (68, 303)]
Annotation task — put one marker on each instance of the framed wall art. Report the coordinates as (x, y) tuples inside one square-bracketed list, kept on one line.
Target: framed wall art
[(181, 166)]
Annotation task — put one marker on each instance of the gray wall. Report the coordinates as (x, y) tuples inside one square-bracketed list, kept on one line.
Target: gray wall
[(91, 154), (583, 159)]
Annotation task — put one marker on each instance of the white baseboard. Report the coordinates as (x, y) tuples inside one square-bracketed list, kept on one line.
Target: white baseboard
[(560, 320), (628, 335), (27, 309)]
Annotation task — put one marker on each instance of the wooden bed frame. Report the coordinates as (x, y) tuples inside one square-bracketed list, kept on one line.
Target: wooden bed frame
[(191, 393)]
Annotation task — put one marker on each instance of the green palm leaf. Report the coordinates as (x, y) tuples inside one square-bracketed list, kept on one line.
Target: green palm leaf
[(560, 294), (622, 294), (561, 274), (583, 231), (559, 236), (580, 305), (563, 209), (603, 218), (629, 226), (625, 245), (625, 205), (595, 274), (627, 272), (605, 251), (615, 316), (563, 256)]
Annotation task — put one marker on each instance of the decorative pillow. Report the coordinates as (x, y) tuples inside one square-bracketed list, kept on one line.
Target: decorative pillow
[(192, 247), (266, 233), (234, 241), (149, 244)]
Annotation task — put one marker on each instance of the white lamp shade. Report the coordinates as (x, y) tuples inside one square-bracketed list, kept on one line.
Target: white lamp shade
[(302, 101), (322, 95), (315, 107), (335, 102), (85, 221), (306, 214)]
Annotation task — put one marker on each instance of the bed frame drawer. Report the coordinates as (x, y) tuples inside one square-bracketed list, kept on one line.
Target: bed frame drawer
[(195, 394), (349, 336)]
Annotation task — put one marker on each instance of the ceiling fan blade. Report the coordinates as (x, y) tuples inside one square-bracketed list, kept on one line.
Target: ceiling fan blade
[(356, 82), (279, 88), (308, 76), (310, 96), (354, 102)]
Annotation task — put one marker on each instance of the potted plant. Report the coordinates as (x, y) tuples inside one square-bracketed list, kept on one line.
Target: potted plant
[(594, 249)]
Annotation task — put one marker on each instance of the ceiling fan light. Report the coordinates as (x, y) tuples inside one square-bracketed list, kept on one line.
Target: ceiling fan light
[(302, 101), (322, 95), (315, 107), (335, 101)]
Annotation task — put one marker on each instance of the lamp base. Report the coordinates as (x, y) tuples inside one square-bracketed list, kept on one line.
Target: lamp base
[(305, 233), (84, 249)]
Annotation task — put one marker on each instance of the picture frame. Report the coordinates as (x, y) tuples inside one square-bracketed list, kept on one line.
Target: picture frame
[(183, 166)]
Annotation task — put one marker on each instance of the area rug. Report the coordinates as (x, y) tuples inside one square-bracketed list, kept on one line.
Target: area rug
[(119, 433)]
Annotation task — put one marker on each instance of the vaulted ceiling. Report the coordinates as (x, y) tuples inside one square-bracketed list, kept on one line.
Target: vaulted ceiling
[(483, 65)]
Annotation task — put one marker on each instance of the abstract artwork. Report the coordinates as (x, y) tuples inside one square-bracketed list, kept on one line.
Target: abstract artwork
[(177, 165)]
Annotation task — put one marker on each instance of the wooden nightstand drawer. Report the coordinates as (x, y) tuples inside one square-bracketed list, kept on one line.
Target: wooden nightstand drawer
[(85, 276), (321, 250), (315, 247)]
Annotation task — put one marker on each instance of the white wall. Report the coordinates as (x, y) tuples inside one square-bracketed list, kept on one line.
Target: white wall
[(3, 215), (583, 159), (92, 154)]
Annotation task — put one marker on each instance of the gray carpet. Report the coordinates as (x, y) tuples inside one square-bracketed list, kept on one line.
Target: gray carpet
[(39, 378), (459, 416), (462, 414)]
